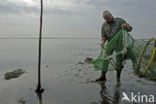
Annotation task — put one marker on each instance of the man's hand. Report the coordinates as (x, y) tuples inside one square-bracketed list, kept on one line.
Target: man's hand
[(102, 42), (126, 27)]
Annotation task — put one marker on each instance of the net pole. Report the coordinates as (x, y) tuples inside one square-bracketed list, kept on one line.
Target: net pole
[(39, 89), (151, 59)]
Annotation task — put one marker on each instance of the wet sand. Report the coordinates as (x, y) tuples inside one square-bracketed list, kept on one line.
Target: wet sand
[(66, 78)]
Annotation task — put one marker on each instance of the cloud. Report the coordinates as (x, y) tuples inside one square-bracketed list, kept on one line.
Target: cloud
[(12, 7), (82, 7), (50, 6), (81, 13)]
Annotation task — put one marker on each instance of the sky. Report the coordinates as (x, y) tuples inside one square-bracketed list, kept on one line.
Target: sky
[(74, 18)]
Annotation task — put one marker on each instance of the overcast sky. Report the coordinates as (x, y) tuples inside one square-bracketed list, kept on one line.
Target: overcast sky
[(74, 18)]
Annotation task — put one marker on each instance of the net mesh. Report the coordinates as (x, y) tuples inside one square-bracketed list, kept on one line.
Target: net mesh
[(123, 47)]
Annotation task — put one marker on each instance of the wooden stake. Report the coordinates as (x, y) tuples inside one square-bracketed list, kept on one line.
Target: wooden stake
[(40, 90)]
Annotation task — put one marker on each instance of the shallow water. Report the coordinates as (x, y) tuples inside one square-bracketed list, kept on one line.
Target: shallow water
[(64, 78)]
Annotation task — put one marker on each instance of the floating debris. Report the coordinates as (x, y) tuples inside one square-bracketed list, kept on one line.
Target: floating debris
[(89, 60), (21, 101), (80, 62), (46, 66), (79, 70), (13, 74)]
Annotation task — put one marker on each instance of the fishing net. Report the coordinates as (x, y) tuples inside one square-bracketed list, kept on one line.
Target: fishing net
[(124, 47)]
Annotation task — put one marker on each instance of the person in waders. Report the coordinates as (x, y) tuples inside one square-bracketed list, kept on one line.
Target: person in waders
[(109, 28)]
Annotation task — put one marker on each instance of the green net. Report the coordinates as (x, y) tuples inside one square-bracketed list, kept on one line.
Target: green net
[(124, 47)]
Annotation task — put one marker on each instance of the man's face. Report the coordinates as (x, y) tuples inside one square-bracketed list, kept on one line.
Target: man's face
[(107, 18)]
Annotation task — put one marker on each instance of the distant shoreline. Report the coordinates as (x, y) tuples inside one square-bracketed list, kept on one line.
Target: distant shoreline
[(47, 38), (56, 38)]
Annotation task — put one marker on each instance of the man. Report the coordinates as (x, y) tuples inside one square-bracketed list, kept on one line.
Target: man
[(109, 28)]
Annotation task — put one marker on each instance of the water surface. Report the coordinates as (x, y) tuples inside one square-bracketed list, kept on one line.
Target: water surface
[(64, 78)]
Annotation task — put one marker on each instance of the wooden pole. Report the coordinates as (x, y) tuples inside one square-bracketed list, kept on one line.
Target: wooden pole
[(39, 89)]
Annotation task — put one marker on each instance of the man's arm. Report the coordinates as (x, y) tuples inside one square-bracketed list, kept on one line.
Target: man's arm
[(125, 25), (103, 35)]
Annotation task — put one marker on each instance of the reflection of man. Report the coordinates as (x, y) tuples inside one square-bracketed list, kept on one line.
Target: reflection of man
[(109, 28)]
